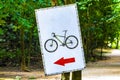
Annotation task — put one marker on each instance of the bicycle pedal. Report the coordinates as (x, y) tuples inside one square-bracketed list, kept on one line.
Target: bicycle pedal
[(62, 45)]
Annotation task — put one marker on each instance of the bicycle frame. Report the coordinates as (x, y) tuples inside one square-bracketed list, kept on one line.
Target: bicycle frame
[(69, 41), (57, 37)]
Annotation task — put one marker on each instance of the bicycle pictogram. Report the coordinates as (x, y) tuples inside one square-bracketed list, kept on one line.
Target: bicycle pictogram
[(69, 41)]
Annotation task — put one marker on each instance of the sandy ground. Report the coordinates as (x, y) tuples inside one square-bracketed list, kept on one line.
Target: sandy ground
[(104, 70), (33, 75), (101, 70)]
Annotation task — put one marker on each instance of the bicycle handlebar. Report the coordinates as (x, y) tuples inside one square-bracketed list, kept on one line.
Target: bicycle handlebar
[(54, 35)]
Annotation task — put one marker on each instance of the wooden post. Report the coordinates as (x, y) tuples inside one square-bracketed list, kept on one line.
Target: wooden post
[(77, 75), (73, 75)]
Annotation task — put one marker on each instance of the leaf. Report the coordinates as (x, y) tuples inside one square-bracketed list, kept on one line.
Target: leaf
[(1, 32), (2, 22), (24, 22)]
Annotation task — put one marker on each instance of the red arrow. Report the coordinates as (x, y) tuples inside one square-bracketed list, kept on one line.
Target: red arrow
[(63, 61)]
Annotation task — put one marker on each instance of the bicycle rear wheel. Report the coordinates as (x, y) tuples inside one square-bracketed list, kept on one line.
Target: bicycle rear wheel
[(51, 45)]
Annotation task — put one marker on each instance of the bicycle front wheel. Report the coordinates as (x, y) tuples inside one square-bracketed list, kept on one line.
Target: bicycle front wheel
[(51, 45), (71, 42)]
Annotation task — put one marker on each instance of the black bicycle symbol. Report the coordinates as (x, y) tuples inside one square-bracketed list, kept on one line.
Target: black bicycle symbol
[(70, 42)]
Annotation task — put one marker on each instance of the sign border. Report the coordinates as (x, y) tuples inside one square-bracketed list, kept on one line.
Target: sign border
[(78, 22)]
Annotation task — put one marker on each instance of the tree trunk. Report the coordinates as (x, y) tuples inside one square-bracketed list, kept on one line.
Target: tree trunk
[(101, 55), (117, 43), (29, 47), (23, 63), (54, 2)]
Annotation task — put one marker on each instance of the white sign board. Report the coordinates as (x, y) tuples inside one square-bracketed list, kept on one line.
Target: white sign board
[(60, 39)]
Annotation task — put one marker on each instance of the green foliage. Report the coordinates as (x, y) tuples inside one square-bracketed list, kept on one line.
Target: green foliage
[(99, 19), (18, 78), (32, 78), (1, 32), (14, 16), (100, 23), (7, 58)]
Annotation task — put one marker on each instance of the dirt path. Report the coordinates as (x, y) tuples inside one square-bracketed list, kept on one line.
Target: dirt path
[(13, 74), (104, 70)]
